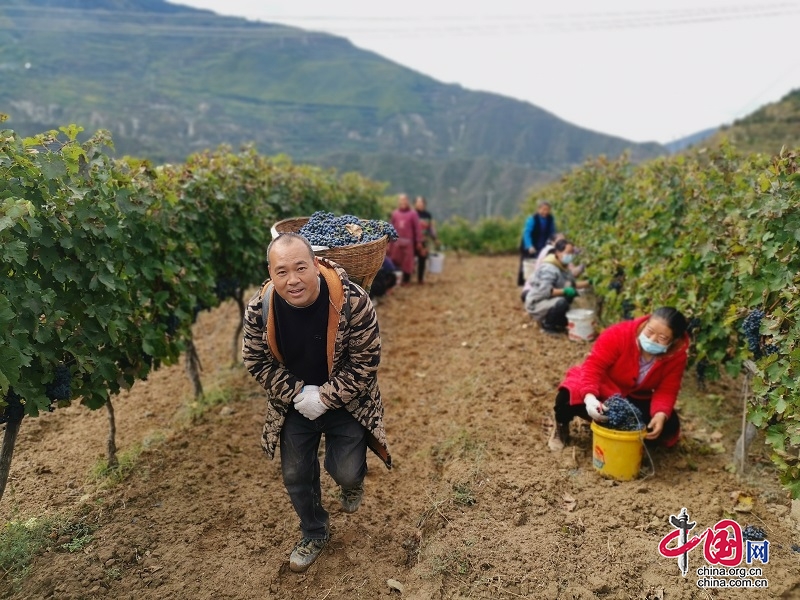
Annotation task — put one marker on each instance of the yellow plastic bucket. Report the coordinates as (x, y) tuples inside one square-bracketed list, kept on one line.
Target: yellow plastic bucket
[(617, 454)]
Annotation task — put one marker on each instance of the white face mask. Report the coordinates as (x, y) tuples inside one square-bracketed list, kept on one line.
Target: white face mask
[(566, 259), (650, 346)]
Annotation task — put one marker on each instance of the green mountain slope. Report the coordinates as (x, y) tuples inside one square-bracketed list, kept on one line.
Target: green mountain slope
[(169, 80), (766, 130)]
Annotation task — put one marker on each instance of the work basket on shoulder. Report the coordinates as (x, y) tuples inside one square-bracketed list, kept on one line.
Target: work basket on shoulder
[(361, 261)]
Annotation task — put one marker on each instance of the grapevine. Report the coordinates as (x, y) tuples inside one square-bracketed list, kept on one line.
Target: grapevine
[(105, 260), (709, 232)]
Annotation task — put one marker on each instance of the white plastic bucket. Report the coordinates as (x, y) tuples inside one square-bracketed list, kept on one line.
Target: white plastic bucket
[(528, 267), (580, 324), (436, 262)]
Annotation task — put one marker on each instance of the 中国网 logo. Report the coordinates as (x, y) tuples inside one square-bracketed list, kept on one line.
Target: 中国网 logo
[(724, 548)]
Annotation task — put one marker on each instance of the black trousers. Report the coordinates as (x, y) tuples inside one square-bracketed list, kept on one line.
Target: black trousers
[(565, 412), (421, 261), (556, 317)]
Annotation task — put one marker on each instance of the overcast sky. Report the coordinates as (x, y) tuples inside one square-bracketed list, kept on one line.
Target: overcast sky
[(644, 71)]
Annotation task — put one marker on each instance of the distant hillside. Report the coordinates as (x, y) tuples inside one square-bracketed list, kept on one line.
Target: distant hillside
[(767, 129), (169, 80), (690, 140)]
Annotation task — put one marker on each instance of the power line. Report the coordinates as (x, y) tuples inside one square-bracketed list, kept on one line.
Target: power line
[(566, 22), (85, 21)]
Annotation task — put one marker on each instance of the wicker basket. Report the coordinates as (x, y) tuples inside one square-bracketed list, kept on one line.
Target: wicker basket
[(361, 261)]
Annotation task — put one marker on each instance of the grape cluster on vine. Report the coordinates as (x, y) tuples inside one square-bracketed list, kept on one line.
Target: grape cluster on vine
[(173, 324), (14, 410), (326, 229), (627, 309), (751, 327), (693, 325), (59, 388), (225, 288), (700, 372), (622, 414)]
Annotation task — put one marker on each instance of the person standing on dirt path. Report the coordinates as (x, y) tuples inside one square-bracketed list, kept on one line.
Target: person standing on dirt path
[(429, 238), (539, 228), (642, 360), (311, 340), (409, 237)]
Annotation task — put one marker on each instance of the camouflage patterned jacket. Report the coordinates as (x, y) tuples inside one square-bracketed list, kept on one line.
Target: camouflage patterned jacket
[(354, 350)]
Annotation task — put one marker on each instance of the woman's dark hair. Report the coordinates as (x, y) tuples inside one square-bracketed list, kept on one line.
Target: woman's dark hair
[(560, 246), (674, 320)]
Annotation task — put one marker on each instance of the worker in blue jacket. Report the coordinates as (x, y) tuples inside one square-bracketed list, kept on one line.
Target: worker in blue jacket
[(539, 228)]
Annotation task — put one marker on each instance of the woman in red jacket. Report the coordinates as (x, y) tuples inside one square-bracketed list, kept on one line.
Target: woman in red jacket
[(642, 360)]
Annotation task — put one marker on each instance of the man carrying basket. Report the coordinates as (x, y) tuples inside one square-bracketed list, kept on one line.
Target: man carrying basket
[(311, 340)]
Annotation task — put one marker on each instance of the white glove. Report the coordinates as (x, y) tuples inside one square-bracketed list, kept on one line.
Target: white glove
[(594, 407), (306, 388), (309, 404)]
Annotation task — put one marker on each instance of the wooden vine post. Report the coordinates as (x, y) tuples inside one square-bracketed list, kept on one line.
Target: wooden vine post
[(748, 429), (193, 368), (113, 461), (14, 413)]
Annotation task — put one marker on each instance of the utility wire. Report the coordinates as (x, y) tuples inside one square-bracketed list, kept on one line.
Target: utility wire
[(86, 21)]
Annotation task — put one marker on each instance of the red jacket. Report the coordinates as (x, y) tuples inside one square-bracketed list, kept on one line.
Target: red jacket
[(612, 367)]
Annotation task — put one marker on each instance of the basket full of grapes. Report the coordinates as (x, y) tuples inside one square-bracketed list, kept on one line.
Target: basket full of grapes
[(357, 245)]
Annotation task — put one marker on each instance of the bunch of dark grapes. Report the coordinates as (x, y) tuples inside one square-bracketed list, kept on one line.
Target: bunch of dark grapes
[(375, 229), (751, 327), (226, 288), (14, 410), (59, 389), (326, 229), (752, 331), (615, 285), (693, 325), (173, 323), (150, 361), (627, 310), (622, 414), (752, 533), (700, 373)]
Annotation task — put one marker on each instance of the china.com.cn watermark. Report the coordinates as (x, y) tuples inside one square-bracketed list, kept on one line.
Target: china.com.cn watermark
[(724, 549)]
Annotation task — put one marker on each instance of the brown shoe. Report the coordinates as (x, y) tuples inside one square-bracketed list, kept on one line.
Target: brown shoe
[(559, 438), (306, 552), (351, 497)]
